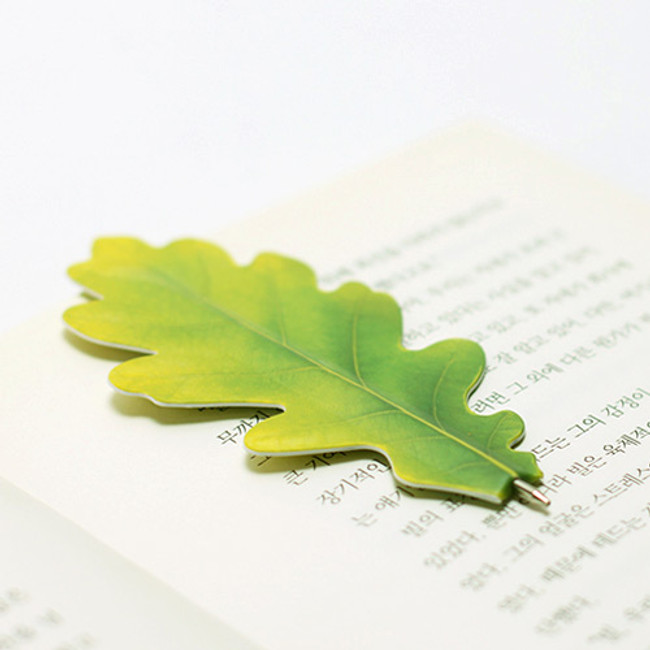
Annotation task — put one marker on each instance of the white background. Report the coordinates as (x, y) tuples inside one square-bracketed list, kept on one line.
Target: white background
[(164, 119)]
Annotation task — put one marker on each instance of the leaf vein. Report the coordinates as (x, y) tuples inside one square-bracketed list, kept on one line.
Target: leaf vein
[(355, 352), (238, 320)]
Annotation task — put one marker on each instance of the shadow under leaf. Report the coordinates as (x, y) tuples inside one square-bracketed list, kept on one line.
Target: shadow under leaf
[(97, 350)]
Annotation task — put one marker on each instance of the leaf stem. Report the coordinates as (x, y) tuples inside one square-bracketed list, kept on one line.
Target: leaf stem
[(530, 491)]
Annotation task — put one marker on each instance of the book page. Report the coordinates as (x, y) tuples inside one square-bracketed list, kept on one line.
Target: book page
[(476, 236), (62, 590)]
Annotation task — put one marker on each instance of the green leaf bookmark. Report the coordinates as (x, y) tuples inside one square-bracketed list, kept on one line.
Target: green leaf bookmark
[(264, 334)]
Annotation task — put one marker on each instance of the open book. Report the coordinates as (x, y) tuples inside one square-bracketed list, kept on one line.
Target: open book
[(127, 525)]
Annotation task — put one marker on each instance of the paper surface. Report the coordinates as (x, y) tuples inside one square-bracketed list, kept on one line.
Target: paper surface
[(63, 590), (476, 237)]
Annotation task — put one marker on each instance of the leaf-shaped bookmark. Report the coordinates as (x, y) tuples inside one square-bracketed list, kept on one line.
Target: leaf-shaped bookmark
[(264, 334)]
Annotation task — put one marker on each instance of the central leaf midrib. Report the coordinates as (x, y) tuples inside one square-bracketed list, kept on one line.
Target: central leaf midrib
[(236, 318)]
